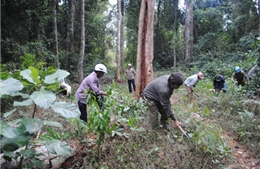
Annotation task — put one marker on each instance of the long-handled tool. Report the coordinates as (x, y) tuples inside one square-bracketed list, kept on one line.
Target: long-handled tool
[(195, 93), (184, 133)]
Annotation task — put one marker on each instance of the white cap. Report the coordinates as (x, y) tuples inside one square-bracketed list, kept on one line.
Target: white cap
[(101, 68), (129, 64)]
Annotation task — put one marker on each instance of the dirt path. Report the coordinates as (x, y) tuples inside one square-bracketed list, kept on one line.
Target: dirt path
[(242, 158)]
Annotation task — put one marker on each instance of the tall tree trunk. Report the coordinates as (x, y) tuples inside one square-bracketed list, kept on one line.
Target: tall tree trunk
[(82, 40), (55, 33), (36, 22), (259, 18), (122, 33), (189, 31), (145, 51), (119, 40), (174, 27), (70, 33)]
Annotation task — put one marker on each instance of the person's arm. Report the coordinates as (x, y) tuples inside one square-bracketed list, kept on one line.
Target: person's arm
[(166, 105), (214, 84), (67, 87), (95, 87), (245, 76), (133, 71)]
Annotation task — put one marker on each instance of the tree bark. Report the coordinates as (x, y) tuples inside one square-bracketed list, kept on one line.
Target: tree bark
[(174, 34), (258, 18), (189, 31), (82, 40), (70, 33), (55, 33), (145, 50), (119, 40)]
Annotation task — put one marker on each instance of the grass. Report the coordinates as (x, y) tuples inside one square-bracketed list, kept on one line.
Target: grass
[(147, 148)]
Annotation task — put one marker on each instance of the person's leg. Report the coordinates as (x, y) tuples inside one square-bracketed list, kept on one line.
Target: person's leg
[(224, 88), (133, 82), (83, 111), (129, 86), (242, 83), (189, 90), (153, 113), (164, 117)]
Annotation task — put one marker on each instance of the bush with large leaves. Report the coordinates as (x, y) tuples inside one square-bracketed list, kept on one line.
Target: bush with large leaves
[(19, 133)]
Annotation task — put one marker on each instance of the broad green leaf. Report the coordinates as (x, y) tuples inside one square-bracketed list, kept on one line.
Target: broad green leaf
[(66, 110), (30, 153), (32, 125), (27, 102), (50, 79), (43, 98), (52, 123), (7, 114), (10, 86), (12, 144), (26, 74), (10, 155), (38, 163), (25, 96), (212, 141), (35, 74), (58, 147), (12, 129)]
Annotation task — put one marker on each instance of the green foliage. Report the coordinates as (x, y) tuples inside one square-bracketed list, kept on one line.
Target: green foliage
[(79, 128), (124, 110), (19, 133), (208, 139), (98, 120)]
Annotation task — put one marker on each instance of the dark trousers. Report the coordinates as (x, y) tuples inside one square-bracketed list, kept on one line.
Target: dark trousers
[(83, 108), (83, 111), (100, 100), (242, 83), (130, 83)]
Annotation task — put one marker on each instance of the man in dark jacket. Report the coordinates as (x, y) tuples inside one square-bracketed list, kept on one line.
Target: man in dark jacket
[(157, 93), (219, 84), (239, 76)]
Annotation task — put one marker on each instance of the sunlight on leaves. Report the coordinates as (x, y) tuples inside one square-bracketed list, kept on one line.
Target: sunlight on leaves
[(66, 110), (43, 98), (10, 86)]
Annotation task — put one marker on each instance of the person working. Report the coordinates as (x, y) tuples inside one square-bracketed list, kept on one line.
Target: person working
[(130, 75), (90, 85), (191, 82), (157, 94), (219, 84), (65, 89), (239, 77)]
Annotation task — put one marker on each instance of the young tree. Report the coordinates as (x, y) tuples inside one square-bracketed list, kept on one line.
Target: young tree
[(70, 33), (82, 40), (258, 17), (144, 59), (189, 30), (119, 40), (55, 32)]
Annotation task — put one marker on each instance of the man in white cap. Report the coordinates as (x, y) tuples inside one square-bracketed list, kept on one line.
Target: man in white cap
[(91, 85), (191, 82), (130, 75)]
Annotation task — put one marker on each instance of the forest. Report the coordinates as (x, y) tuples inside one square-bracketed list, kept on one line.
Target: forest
[(44, 40)]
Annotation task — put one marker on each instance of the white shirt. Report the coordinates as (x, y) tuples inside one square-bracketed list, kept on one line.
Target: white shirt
[(192, 80)]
